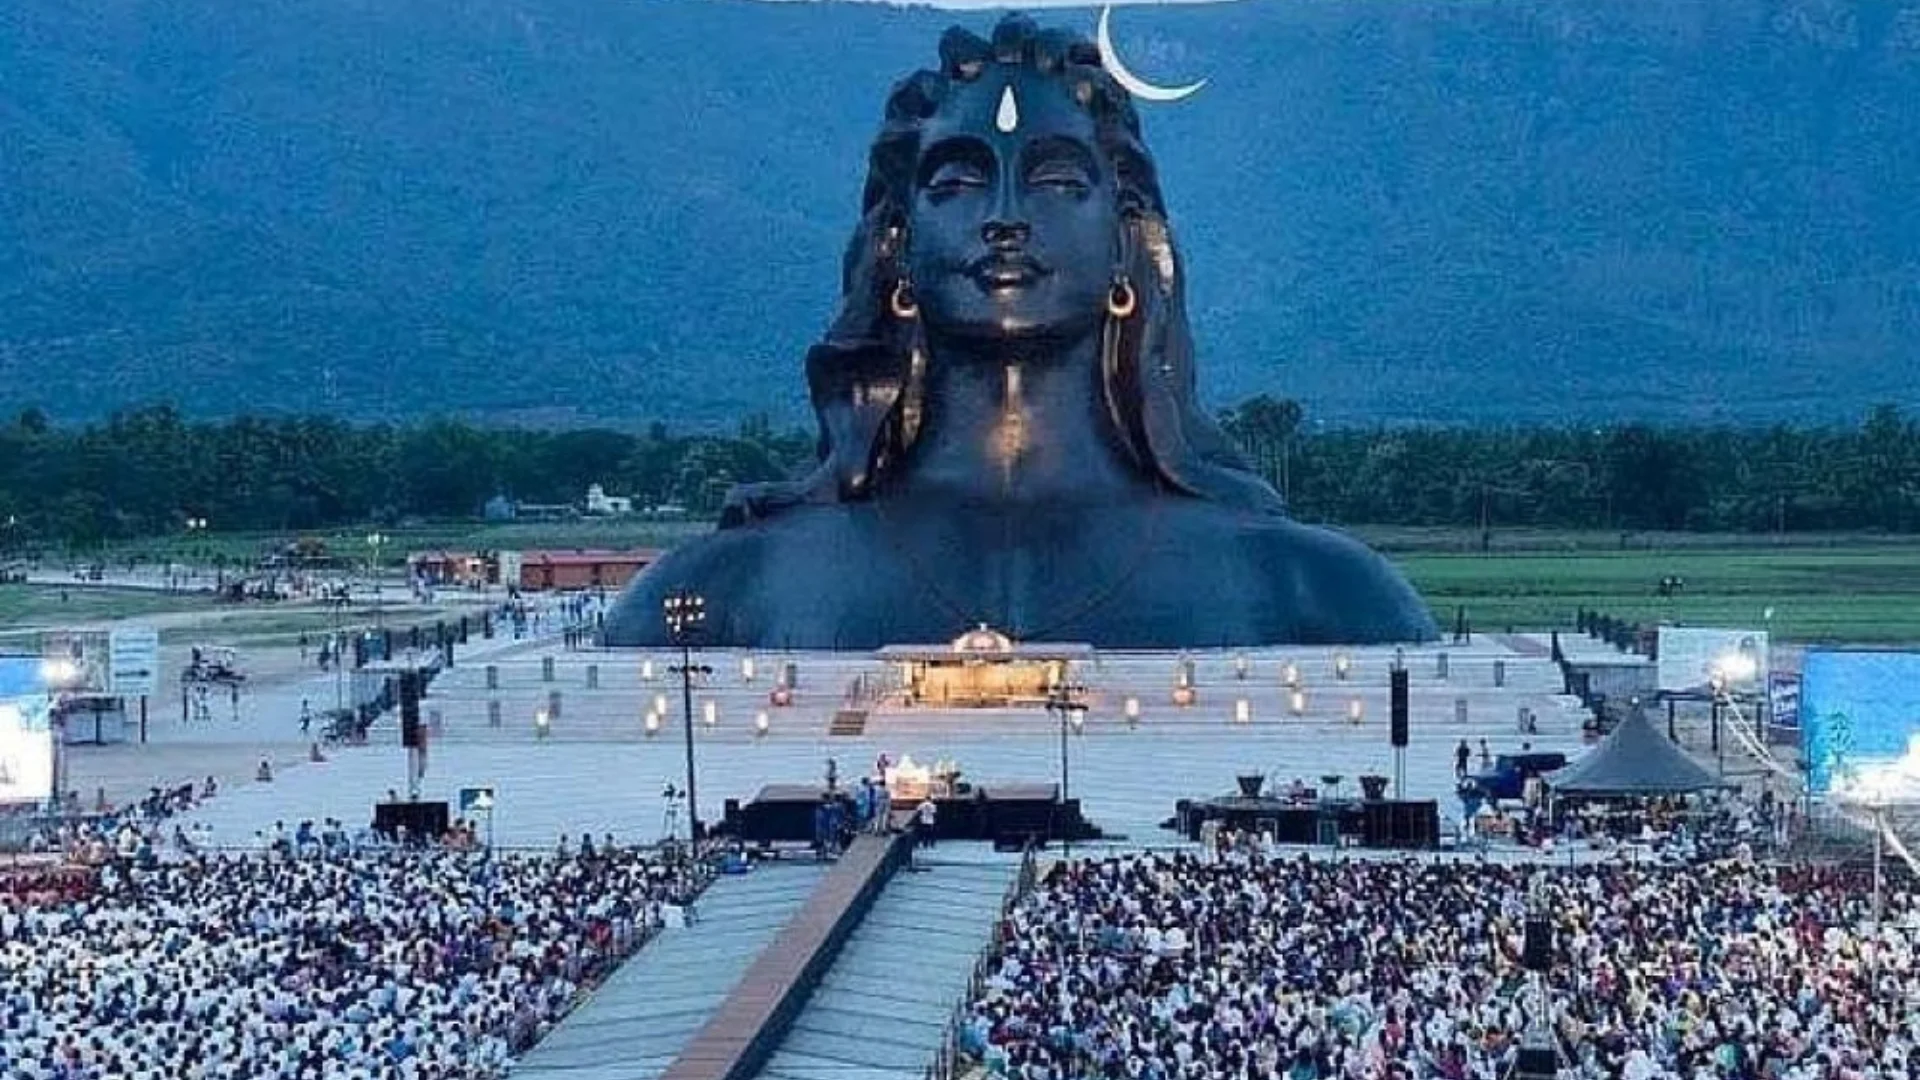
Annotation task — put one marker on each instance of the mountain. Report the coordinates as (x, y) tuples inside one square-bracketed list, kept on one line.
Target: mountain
[(595, 210)]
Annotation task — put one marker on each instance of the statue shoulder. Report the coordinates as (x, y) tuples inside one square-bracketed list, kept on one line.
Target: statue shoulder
[(721, 567), (759, 579), (1338, 589)]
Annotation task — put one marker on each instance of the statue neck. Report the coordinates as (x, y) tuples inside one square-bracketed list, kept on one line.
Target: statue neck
[(1018, 425)]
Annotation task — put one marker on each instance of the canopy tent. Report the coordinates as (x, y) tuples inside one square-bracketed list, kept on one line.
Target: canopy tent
[(1635, 759)]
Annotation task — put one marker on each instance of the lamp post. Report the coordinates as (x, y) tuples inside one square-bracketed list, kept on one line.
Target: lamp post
[(686, 614), (374, 540), (1063, 702), (195, 527), (1879, 872)]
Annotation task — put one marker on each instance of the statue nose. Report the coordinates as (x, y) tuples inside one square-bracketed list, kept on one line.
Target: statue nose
[(1001, 234)]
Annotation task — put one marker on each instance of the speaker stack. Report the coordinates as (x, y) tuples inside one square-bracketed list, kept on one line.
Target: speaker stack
[(1534, 1061), (1397, 709), (1537, 952), (412, 735)]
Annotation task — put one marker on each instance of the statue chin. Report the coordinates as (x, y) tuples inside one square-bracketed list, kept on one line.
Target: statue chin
[(1025, 316), (1086, 496)]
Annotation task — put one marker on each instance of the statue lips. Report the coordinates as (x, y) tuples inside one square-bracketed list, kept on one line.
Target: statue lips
[(1005, 270)]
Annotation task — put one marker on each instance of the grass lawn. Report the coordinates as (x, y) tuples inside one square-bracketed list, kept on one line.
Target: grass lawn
[(351, 544), (42, 605), (1863, 595), (266, 626)]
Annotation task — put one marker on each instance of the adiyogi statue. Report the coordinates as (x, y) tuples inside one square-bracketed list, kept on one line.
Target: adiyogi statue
[(1008, 427)]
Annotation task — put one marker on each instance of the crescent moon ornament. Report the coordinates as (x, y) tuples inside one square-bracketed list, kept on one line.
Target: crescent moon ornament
[(1134, 84)]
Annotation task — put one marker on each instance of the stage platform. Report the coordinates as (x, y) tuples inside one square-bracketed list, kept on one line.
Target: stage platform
[(1377, 823), (1008, 815)]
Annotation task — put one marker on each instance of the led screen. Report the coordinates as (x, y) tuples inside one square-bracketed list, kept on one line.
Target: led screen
[(1857, 709)]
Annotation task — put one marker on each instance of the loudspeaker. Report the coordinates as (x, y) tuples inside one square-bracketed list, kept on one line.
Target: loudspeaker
[(1537, 954), (1397, 708), (1536, 1063), (410, 733), (424, 821)]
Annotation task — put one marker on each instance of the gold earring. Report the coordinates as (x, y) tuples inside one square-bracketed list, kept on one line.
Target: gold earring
[(1121, 300), (902, 303)]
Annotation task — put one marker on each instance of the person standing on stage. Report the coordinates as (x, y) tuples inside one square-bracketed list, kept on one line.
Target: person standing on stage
[(882, 821), (923, 818)]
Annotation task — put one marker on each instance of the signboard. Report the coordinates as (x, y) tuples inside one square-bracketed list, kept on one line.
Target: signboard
[(78, 659), (1859, 711), (26, 750), (133, 665), (476, 798), (1689, 656), (1783, 700)]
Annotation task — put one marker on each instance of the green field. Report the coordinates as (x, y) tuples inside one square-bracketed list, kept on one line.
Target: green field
[(1864, 595), (351, 544), (48, 605), (1819, 588)]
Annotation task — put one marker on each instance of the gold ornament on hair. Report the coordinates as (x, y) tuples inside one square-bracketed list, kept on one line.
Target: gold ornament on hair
[(1121, 299)]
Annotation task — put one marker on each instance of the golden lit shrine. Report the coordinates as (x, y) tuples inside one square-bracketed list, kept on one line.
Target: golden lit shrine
[(982, 669)]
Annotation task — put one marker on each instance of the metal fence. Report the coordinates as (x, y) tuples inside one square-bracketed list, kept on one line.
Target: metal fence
[(947, 1060)]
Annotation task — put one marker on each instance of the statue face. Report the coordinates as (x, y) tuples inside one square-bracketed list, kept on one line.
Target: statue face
[(1013, 233)]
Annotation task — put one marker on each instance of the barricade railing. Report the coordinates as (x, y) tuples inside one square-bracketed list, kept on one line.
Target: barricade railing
[(947, 1057)]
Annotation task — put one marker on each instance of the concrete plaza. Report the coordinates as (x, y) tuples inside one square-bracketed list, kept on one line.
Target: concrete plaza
[(597, 768)]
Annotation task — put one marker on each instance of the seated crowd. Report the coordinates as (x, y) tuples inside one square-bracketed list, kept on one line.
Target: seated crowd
[(318, 957), (1165, 966)]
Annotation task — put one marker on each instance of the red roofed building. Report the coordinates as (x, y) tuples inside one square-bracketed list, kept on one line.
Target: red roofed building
[(582, 569)]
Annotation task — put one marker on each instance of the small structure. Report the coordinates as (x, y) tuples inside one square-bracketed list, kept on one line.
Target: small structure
[(601, 504), (982, 669), (528, 511), (463, 568), (545, 570)]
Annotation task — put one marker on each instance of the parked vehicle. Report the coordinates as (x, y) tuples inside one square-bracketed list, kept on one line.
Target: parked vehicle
[(213, 664)]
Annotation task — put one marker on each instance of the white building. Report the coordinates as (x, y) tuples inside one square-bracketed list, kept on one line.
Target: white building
[(601, 504)]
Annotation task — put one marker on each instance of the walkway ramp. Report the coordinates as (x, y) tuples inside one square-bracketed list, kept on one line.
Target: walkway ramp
[(637, 1023), (881, 1011)]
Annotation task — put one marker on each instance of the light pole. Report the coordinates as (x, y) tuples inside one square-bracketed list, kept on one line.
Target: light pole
[(1879, 873), (374, 540), (195, 527), (1063, 703), (686, 614)]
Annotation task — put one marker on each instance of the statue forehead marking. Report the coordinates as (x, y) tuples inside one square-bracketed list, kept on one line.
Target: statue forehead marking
[(1019, 105)]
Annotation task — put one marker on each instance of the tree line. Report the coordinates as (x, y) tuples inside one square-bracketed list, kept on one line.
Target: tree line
[(149, 471)]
